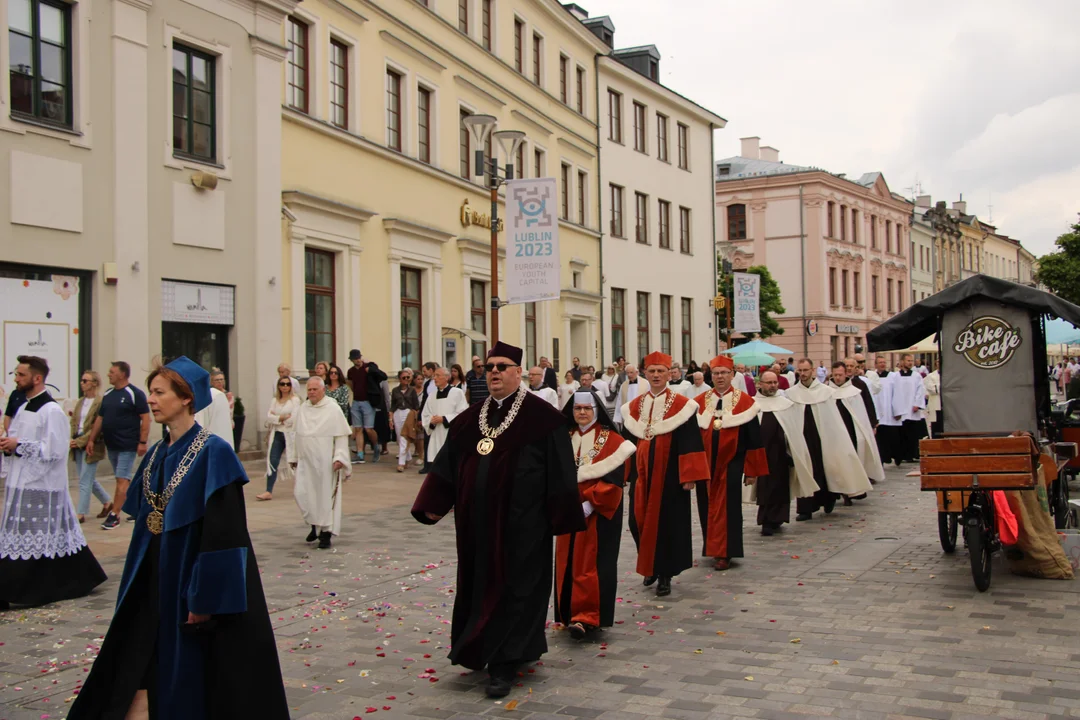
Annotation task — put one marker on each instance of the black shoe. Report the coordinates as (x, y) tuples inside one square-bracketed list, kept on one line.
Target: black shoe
[(313, 535), (424, 470), (324, 540), (498, 687), (859, 497), (898, 463), (649, 580), (4, 605), (829, 504), (801, 517), (577, 630), (766, 531), (848, 501), (663, 587), (873, 481)]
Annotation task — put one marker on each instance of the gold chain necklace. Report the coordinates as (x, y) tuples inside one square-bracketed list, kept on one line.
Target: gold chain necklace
[(649, 422), (598, 445), (714, 399), (487, 443), (155, 521)]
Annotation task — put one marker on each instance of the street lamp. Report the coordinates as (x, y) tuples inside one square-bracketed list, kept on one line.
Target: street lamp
[(481, 127)]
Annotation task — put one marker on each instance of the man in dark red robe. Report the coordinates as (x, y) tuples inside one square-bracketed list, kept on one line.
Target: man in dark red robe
[(670, 459), (508, 469), (731, 434), (586, 563)]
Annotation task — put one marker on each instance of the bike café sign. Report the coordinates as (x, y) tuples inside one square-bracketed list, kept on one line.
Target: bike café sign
[(988, 342)]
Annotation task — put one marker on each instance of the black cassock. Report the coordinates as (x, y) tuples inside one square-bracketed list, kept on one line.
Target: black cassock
[(774, 489), (508, 507), (822, 498)]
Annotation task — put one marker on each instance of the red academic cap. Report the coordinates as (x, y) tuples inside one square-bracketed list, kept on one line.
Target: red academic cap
[(722, 361), (657, 358)]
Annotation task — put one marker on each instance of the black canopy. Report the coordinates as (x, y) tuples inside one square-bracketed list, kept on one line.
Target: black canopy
[(921, 319)]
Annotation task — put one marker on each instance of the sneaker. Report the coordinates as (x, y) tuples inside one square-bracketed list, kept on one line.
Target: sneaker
[(130, 518), (111, 523), (358, 458), (375, 455)]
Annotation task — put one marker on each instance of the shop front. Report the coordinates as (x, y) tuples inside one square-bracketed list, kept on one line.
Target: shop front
[(196, 321)]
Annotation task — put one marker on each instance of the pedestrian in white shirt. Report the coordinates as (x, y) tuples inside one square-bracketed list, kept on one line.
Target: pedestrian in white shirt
[(279, 423)]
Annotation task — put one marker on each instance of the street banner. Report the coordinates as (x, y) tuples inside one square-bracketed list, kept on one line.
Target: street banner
[(747, 302), (532, 241)]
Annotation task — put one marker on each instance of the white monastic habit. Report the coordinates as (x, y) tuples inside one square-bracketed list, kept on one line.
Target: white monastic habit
[(790, 417), (627, 393), (216, 417), (932, 386), (791, 379), (851, 397), (321, 437), (694, 390), (448, 402), (682, 387), (546, 394), (844, 471)]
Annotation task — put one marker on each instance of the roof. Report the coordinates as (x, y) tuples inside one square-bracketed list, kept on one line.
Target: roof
[(923, 318), (742, 168), (650, 49), (868, 179)]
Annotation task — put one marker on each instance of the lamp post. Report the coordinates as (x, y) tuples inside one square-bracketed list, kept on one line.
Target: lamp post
[(481, 127)]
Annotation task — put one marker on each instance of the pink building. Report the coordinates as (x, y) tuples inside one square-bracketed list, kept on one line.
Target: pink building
[(837, 247)]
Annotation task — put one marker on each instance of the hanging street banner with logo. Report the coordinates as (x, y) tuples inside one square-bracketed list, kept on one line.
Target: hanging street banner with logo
[(532, 241), (747, 302)]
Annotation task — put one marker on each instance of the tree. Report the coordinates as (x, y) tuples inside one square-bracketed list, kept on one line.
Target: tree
[(1060, 271), (770, 302)]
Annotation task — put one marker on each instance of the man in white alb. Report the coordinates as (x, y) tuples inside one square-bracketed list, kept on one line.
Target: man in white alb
[(319, 455), (537, 387), (444, 404)]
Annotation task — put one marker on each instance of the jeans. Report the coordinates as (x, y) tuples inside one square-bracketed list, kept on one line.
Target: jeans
[(88, 482), (277, 449), (404, 456)]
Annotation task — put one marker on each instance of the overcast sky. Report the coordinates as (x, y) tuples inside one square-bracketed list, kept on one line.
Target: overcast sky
[(980, 97)]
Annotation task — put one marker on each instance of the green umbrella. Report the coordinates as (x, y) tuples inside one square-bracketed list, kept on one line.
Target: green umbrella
[(753, 359), (756, 346)]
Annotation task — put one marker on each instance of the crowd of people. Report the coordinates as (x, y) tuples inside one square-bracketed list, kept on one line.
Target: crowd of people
[(1066, 378)]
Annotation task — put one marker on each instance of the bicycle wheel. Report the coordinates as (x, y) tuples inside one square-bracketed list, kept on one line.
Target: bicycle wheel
[(1063, 517), (978, 538), (946, 528)]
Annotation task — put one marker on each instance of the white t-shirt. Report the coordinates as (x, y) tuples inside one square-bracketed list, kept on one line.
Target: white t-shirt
[(83, 413)]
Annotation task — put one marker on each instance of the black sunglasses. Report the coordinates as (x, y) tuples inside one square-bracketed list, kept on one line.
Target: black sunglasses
[(501, 367), (284, 384)]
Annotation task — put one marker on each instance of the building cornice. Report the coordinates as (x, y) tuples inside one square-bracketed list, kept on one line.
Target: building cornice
[(611, 64), (416, 230), (529, 121), (804, 177), (268, 48), (577, 148), (472, 245), (422, 56), (578, 294), (469, 85), (299, 198)]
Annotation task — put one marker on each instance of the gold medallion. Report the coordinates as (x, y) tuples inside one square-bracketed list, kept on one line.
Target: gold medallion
[(485, 446), (717, 424), (648, 433), (155, 521)]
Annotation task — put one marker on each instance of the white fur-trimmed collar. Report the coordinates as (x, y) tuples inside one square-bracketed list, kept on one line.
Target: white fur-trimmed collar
[(730, 419), (600, 468), (636, 426), (816, 393), (842, 392)]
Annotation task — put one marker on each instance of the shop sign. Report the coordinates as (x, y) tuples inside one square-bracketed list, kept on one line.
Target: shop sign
[(811, 328), (988, 342), (850, 329), (473, 217), (195, 303)]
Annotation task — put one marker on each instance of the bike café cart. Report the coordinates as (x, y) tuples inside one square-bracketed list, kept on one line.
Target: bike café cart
[(994, 381)]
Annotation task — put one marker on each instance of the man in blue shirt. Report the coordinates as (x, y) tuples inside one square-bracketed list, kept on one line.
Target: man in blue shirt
[(123, 422)]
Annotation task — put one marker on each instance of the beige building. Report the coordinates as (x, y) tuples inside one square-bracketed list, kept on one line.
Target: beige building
[(385, 245), (838, 248), (140, 143)]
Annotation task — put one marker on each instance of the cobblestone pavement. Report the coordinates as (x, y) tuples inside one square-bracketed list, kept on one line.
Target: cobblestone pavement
[(856, 615)]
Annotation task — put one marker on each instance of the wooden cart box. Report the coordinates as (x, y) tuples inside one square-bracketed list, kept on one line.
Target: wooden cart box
[(977, 463), (953, 501)]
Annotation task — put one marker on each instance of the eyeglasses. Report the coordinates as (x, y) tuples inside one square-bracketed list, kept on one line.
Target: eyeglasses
[(284, 384), (501, 367), (87, 380)]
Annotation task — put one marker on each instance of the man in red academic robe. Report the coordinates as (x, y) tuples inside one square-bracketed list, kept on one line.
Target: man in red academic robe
[(586, 562), (670, 459), (731, 434), (507, 469)]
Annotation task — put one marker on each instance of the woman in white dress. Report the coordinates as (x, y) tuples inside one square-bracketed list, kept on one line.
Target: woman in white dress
[(279, 421), (568, 388)]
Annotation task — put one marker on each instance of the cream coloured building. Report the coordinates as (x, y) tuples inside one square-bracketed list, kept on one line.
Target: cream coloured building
[(384, 245), (657, 208), (142, 183)]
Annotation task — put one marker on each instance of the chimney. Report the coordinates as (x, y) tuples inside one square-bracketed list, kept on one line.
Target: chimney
[(770, 153), (750, 148), (960, 206), (923, 201)]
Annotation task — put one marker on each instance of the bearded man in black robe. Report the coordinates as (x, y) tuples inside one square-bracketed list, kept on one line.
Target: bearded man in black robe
[(508, 469)]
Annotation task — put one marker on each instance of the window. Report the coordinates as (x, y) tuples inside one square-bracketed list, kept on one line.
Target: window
[(412, 345), (319, 304), (618, 322), (465, 142), (485, 24), (463, 16), (889, 294), (581, 180), (736, 222), (684, 147), (665, 324), (521, 168), (854, 225), (844, 288), (641, 218), (843, 222), (899, 295), (423, 124), (564, 200), (687, 329), (830, 211), (643, 323), (832, 286), (684, 230), (194, 112), (617, 211), (856, 281), (888, 236), (661, 137), (665, 224), (296, 95), (538, 163), (614, 116), (393, 110), (564, 70), (478, 314), (873, 232), (639, 127), (39, 35), (530, 334), (874, 296), (900, 242), (519, 46), (581, 90), (339, 83), (537, 54)]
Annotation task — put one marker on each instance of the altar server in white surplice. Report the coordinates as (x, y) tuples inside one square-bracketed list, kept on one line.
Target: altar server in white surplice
[(443, 405)]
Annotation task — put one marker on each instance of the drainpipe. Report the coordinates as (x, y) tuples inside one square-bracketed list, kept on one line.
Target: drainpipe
[(712, 200), (802, 265), (599, 204)]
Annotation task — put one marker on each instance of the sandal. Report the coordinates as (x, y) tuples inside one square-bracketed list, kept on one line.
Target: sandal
[(264, 496)]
